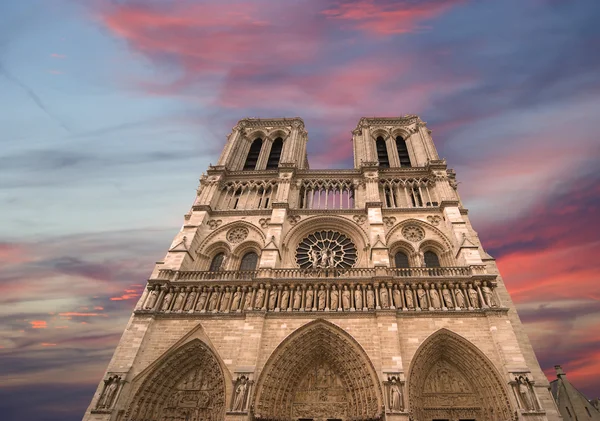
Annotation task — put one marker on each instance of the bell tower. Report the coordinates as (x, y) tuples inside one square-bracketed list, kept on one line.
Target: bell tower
[(296, 294)]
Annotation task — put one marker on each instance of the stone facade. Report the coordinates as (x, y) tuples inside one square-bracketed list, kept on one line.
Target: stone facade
[(297, 294)]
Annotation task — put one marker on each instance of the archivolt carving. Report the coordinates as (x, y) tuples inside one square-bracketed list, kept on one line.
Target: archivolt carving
[(450, 378), (427, 227), (220, 235), (187, 385), (318, 372)]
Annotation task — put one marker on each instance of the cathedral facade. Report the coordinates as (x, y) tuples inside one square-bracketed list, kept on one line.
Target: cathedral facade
[(298, 294)]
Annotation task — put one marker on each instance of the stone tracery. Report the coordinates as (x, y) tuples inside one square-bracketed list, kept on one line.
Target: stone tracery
[(318, 372)]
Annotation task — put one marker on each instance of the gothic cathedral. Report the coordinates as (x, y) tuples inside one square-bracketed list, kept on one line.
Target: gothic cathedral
[(298, 294)]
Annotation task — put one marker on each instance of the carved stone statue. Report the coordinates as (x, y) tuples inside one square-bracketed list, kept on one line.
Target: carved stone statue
[(260, 298), (397, 297), (212, 301), (202, 300), (346, 298), (237, 296), (321, 298), (248, 300), (167, 300), (223, 265), (473, 296), (111, 385), (358, 298), (331, 259), (151, 300), (525, 393), (325, 258), (179, 299), (410, 301), (395, 397), (488, 295), (240, 395), (334, 298), (285, 298), (383, 297), (225, 300), (460, 298), (310, 294), (370, 297), (272, 298), (447, 297), (435, 298), (297, 299), (313, 256), (189, 302), (422, 297)]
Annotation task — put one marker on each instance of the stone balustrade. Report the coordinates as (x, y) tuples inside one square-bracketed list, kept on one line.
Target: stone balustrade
[(315, 296), (463, 272)]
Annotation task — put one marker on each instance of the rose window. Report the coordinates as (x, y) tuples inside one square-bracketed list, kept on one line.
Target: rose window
[(413, 233), (235, 235), (326, 249)]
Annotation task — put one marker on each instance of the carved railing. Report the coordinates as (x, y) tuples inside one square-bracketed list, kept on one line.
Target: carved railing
[(312, 295), (408, 193), (299, 273)]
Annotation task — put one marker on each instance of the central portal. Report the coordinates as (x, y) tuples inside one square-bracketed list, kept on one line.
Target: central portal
[(320, 395), (318, 373)]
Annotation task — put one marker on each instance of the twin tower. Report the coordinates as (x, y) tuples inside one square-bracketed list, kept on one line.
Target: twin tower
[(299, 294)]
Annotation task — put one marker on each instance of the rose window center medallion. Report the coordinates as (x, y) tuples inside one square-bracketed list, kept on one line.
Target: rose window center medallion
[(413, 233), (326, 249), (235, 235)]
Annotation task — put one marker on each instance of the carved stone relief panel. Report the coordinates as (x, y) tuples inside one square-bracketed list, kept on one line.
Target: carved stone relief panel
[(320, 393)]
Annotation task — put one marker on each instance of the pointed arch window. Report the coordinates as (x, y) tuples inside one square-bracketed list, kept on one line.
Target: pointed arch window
[(249, 261), (431, 259), (253, 154), (402, 152), (275, 155), (401, 260), (217, 262), (382, 155)]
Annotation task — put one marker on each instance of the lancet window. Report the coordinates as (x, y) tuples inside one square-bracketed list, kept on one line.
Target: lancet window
[(275, 154), (407, 193), (402, 152), (401, 260), (431, 259), (217, 262), (382, 155), (249, 261), (327, 194), (248, 195), (253, 154)]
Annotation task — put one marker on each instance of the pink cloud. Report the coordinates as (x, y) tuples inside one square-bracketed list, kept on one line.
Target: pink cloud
[(47, 344), (38, 324), (78, 314), (387, 18)]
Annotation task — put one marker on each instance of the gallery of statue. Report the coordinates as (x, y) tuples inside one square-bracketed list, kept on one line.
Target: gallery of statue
[(351, 294)]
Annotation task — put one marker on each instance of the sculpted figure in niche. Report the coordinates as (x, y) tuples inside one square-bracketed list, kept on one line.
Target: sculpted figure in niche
[(237, 296), (110, 390), (397, 297), (167, 300), (410, 301), (358, 298), (190, 300), (525, 393), (473, 296), (260, 297), (346, 298), (248, 300), (297, 299), (313, 256), (488, 295), (460, 297), (325, 258), (435, 298), (179, 299), (310, 295), (447, 297), (334, 298), (225, 300), (370, 297), (422, 297), (331, 259), (383, 296), (272, 298), (285, 298), (201, 300), (395, 397), (152, 297), (240, 395), (321, 298), (212, 301)]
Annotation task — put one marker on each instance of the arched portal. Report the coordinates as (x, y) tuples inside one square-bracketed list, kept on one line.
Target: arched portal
[(321, 373), (186, 385), (450, 379)]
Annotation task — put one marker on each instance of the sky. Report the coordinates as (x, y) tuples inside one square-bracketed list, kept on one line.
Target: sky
[(111, 110)]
